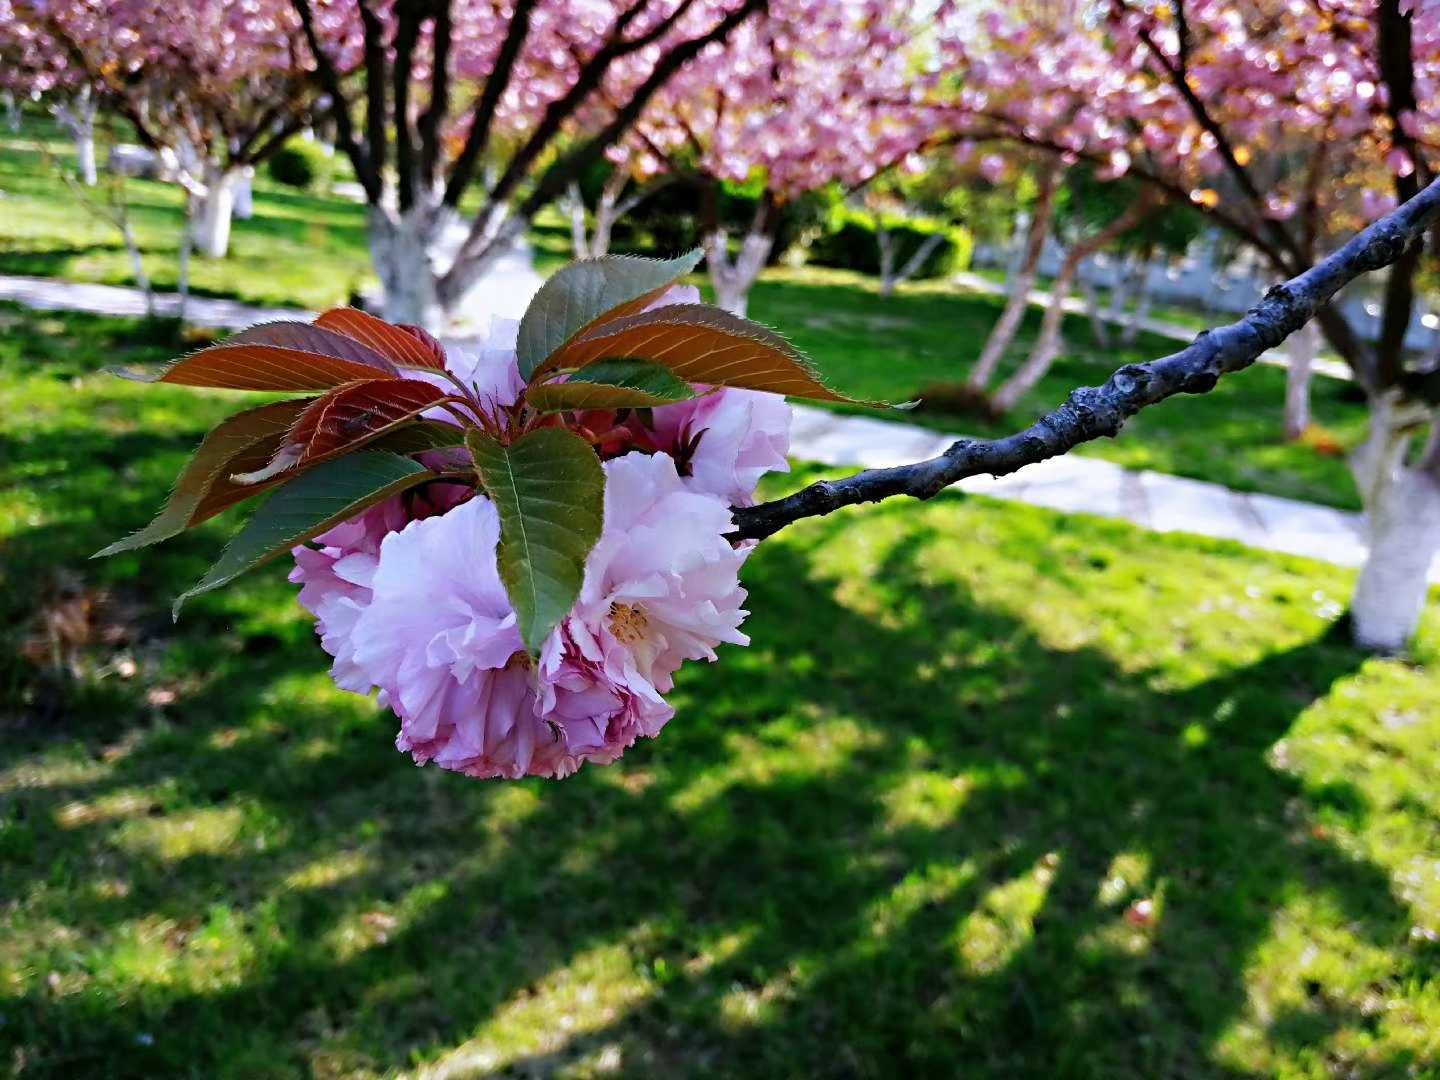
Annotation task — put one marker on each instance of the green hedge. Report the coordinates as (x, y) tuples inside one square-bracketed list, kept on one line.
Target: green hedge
[(302, 164), (849, 243)]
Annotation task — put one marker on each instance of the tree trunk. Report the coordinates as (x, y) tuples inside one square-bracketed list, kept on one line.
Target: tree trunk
[(187, 244), (245, 193), (1402, 507), (890, 277), (137, 263), (214, 211), (886, 243), (402, 248), (77, 116), (1143, 296), (1300, 351), (1098, 324), (85, 158), (732, 278), (1021, 282), (608, 211), (1048, 344), (574, 205), (491, 236), (1121, 289)]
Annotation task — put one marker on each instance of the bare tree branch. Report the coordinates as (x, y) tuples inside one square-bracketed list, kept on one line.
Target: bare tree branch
[(368, 175), (407, 37), (484, 116), (439, 106), (1397, 71), (375, 118), (1095, 411)]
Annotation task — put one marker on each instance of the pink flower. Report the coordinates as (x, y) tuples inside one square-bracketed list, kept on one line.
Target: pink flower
[(335, 577), (676, 294), (407, 596), (428, 621), (489, 367), (440, 640), (738, 436), (662, 583)]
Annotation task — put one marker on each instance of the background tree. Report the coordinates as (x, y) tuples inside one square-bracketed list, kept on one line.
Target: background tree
[(30, 71), (1287, 126), (603, 195), (1096, 223), (812, 94), (461, 96), (212, 86)]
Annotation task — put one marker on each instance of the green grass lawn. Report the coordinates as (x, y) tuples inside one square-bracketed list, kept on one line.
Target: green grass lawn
[(297, 248), (908, 831)]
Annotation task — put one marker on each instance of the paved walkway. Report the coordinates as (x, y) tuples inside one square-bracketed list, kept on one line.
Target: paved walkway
[(1088, 485), (1073, 483), (1334, 369), (48, 294)]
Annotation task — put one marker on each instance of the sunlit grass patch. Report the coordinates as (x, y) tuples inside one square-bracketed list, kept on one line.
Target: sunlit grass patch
[(995, 791)]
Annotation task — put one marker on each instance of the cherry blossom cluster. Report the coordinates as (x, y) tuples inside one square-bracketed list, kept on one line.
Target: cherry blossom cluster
[(408, 599)]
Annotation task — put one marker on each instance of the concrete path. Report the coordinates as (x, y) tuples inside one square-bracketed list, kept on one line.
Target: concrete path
[(1148, 499), (1334, 369), (1091, 486), (48, 294)]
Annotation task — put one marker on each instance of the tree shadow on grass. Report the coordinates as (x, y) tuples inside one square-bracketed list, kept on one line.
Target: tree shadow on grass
[(876, 842)]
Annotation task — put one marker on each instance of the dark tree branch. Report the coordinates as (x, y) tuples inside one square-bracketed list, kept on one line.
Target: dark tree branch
[(589, 79), (1279, 235), (552, 183), (484, 116), (368, 176), (1092, 412), (407, 37), (375, 118), (439, 105), (1397, 71)]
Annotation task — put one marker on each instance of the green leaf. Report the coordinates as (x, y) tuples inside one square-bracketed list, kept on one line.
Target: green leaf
[(204, 488), (420, 437), (589, 293), (612, 384), (550, 492), (307, 506)]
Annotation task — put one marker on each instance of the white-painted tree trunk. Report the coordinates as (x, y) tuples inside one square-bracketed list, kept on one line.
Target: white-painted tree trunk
[(1402, 508), (77, 116), (187, 244), (588, 243), (890, 276), (732, 278), (214, 210), (886, 243), (1050, 340), (402, 247), (1120, 292), (1301, 349), (1144, 297), (574, 205), (85, 157), (245, 193), (1021, 283), (491, 237), (1099, 324)]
